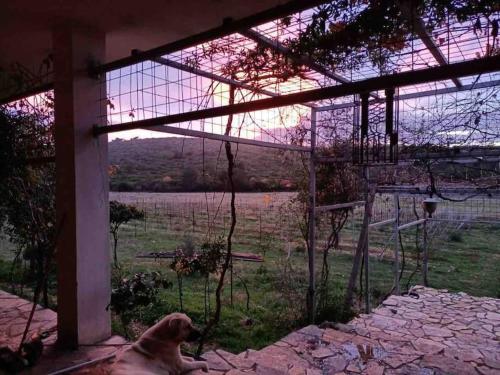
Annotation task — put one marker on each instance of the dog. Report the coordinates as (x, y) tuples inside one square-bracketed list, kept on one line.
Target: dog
[(158, 350)]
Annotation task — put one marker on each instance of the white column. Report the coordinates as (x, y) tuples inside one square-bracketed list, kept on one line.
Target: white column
[(83, 258)]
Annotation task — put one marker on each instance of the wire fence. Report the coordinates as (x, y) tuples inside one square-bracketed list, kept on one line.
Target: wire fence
[(461, 235)]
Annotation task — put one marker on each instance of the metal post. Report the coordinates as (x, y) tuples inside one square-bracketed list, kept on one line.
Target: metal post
[(231, 280), (311, 300), (364, 129), (425, 261), (396, 245), (366, 250)]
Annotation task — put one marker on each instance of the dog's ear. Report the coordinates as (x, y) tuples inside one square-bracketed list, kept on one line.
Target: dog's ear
[(175, 326)]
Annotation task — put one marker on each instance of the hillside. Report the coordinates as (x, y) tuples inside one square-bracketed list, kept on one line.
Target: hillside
[(177, 164)]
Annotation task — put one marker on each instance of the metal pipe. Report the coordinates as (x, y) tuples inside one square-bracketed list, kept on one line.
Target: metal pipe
[(312, 223), (382, 223), (366, 250), (396, 245), (365, 116), (412, 224), (285, 51), (227, 138), (339, 206), (438, 73), (425, 260), (212, 76), (416, 95), (228, 27)]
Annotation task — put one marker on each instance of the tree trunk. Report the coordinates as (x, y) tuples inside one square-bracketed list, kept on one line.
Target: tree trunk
[(227, 261), (115, 253)]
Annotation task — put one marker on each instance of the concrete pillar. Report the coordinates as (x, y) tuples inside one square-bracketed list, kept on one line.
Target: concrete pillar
[(83, 257)]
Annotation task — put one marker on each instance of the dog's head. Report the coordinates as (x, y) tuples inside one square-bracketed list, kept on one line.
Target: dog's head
[(177, 327)]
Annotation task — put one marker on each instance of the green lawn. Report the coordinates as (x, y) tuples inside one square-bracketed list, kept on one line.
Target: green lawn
[(467, 260)]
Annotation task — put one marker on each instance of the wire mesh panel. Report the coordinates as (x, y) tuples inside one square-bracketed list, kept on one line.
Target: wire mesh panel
[(150, 90), (364, 131), (263, 62), (467, 118), (375, 135)]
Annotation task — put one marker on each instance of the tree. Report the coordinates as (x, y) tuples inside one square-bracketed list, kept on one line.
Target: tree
[(189, 179), (27, 191), (120, 213)]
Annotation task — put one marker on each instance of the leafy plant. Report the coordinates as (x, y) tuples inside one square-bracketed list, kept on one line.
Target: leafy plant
[(210, 262), (27, 191), (188, 261), (120, 213), (141, 290), (456, 237), (183, 265), (345, 34)]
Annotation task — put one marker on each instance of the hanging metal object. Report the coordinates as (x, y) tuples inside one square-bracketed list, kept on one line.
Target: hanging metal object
[(375, 133), (430, 205)]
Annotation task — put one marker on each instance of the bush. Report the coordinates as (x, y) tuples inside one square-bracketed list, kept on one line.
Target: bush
[(456, 237), (131, 294)]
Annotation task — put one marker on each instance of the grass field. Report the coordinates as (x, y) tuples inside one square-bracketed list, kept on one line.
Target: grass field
[(464, 260), (464, 256)]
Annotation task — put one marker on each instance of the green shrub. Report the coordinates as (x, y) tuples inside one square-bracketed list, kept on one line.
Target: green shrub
[(456, 237)]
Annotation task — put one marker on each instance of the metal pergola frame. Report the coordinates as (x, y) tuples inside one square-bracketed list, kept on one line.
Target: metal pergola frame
[(244, 26), (410, 78)]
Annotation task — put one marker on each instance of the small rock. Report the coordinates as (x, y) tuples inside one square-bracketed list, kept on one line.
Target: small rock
[(428, 346), (492, 316), (335, 364), (322, 353)]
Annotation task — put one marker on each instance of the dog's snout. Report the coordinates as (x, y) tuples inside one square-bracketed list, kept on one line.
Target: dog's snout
[(193, 335)]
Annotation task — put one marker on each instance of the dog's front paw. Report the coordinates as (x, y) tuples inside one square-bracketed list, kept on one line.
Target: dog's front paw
[(204, 367)]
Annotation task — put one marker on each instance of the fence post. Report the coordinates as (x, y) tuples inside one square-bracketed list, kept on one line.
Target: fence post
[(396, 245), (311, 293), (193, 221), (366, 252), (260, 228), (425, 261)]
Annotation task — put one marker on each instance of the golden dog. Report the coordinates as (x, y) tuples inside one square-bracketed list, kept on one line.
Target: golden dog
[(158, 350)]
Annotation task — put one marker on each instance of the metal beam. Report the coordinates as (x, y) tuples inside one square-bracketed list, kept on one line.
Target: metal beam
[(416, 190), (411, 224), (439, 73), (278, 47), (409, 13), (36, 90), (301, 60), (228, 27), (433, 48), (214, 77), (381, 223), (227, 138), (339, 206), (452, 154), (416, 95)]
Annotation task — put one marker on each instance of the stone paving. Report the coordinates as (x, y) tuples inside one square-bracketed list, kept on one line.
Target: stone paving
[(14, 313), (430, 332), (436, 333)]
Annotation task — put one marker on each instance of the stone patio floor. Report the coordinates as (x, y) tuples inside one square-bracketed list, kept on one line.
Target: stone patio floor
[(14, 313), (436, 333)]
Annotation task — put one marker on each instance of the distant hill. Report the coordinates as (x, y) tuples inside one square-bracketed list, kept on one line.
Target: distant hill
[(177, 164)]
